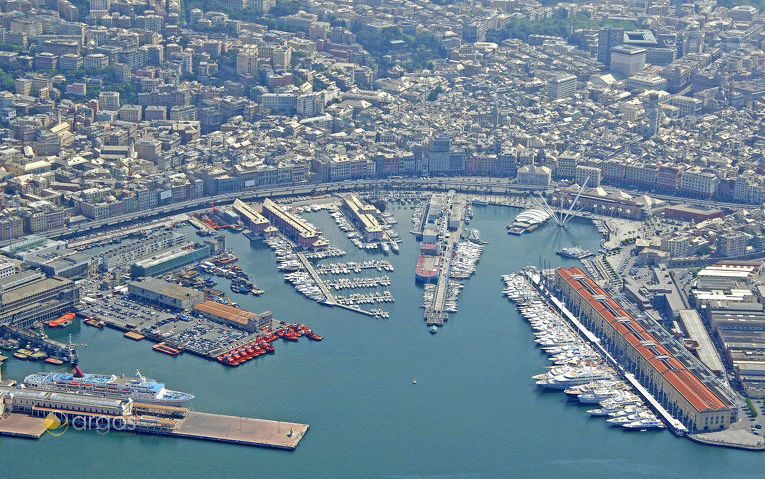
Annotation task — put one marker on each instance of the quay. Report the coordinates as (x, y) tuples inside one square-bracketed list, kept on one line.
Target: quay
[(436, 312), (37, 340), (29, 410), (241, 430), (329, 299), (675, 425), (198, 224), (23, 426)]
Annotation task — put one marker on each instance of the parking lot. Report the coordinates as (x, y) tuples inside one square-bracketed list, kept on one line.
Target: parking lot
[(120, 310), (197, 334)]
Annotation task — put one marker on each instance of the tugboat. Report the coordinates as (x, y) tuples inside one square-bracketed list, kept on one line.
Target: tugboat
[(312, 335)]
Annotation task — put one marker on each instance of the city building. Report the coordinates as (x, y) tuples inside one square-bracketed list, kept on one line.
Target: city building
[(235, 317), (561, 86), (608, 37), (627, 60), (733, 243), (293, 226), (532, 175), (683, 394), (165, 294)]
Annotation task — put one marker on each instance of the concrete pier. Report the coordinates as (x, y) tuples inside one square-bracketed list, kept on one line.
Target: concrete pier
[(180, 422), (329, 298), (435, 313), (23, 426), (241, 430)]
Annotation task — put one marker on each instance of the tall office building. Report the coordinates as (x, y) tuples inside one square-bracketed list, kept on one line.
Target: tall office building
[(654, 114), (627, 60), (608, 37), (561, 86)]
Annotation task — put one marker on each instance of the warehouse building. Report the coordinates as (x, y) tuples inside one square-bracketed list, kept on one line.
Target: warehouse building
[(30, 296), (684, 395), (163, 293), (254, 221), (293, 226), (170, 259), (41, 403), (235, 317), (362, 216)]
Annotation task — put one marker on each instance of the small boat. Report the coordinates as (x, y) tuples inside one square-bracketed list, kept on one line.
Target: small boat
[(38, 355), (20, 356), (312, 335), (433, 329), (54, 361), (414, 381), (62, 321)]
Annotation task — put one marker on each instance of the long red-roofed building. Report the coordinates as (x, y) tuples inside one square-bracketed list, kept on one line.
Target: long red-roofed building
[(681, 392)]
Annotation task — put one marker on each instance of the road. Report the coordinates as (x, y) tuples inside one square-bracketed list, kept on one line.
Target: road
[(476, 185)]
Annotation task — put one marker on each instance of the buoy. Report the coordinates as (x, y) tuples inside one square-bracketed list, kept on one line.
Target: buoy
[(414, 381)]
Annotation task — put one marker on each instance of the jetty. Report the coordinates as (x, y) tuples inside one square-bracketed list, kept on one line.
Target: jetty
[(329, 299), (437, 312), (29, 410)]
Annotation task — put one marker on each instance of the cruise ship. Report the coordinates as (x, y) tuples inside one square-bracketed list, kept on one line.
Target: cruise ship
[(528, 221), (139, 388)]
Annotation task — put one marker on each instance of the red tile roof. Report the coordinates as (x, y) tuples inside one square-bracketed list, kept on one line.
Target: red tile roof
[(687, 384)]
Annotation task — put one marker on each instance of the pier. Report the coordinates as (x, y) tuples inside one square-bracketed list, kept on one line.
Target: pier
[(240, 430), (329, 299), (23, 426), (168, 421), (436, 313)]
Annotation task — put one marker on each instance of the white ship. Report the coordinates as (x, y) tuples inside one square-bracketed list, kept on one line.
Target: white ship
[(528, 220), (139, 388)]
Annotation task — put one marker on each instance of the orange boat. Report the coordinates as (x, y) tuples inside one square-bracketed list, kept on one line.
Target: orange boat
[(62, 321)]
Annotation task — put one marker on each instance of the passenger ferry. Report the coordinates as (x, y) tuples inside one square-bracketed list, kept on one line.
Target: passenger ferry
[(139, 388)]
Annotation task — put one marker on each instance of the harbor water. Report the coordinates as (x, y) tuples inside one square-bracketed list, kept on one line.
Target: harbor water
[(474, 411)]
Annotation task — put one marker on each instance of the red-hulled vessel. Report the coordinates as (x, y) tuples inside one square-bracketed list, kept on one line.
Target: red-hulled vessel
[(428, 268)]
